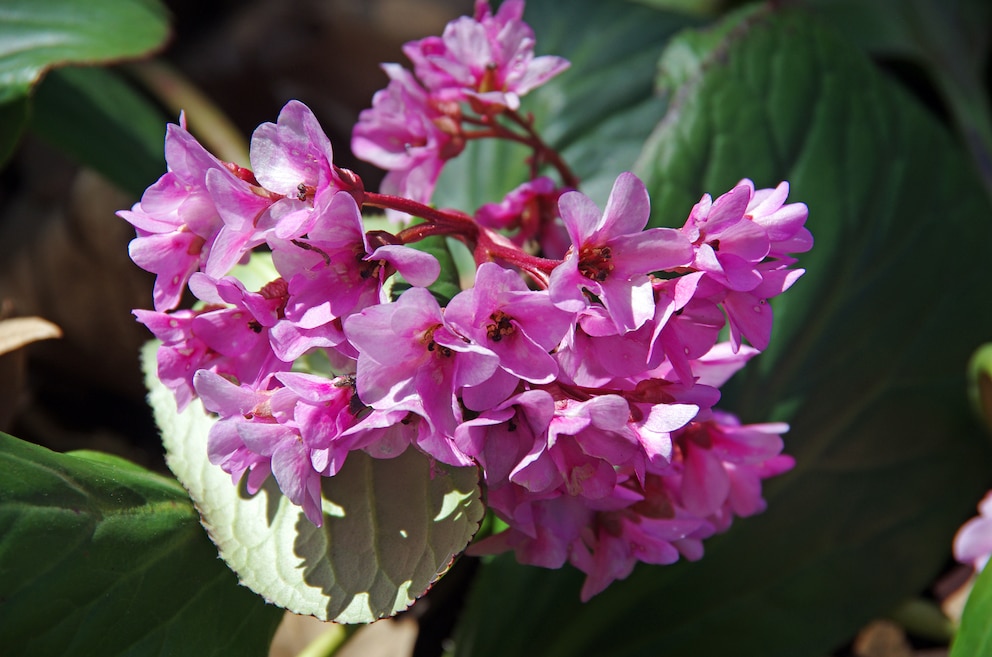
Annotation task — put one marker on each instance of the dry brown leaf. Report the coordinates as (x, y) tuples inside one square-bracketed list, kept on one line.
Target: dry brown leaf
[(19, 332)]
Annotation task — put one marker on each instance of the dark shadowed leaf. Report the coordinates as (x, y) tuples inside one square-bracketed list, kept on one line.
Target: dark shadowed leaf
[(104, 123), (37, 35), (867, 364), (947, 42), (101, 557), (13, 117)]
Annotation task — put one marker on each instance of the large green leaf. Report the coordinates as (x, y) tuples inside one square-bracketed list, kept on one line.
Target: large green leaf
[(949, 41), (391, 528), (867, 364), (597, 113), (974, 639), (13, 117), (101, 557), (97, 117), (36, 35)]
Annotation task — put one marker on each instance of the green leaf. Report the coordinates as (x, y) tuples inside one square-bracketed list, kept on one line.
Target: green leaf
[(101, 557), (867, 364), (612, 45), (95, 116), (694, 7), (689, 52), (915, 29), (949, 41), (13, 118), (448, 282), (980, 383), (974, 638), (36, 35), (392, 527)]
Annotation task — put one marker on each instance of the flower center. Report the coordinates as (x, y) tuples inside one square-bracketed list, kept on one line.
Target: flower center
[(433, 347), (594, 262), (368, 269), (305, 192), (490, 79), (500, 327)]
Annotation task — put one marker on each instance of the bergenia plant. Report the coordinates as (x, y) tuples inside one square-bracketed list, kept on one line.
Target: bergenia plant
[(576, 374)]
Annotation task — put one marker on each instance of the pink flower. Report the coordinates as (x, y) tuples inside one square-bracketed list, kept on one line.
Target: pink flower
[(293, 157), (973, 542), (519, 325), (237, 405), (585, 443), (487, 59), (296, 431), (239, 332), (783, 223), (248, 216), (685, 327), (334, 271), (177, 219), (409, 355), (542, 531), (727, 246), (529, 213), (612, 255), (716, 457), (499, 438), (618, 540), (406, 134), (181, 353), (749, 313)]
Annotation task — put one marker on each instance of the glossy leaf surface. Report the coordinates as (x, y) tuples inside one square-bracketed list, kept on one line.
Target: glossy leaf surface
[(101, 557)]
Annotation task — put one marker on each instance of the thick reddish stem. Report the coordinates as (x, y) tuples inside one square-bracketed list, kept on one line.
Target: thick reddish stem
[(485, 244), (457, 221), (493, 246)]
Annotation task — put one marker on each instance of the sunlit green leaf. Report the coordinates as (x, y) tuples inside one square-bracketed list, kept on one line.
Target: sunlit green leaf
[(974, 639), (391, 526), (36, 35)]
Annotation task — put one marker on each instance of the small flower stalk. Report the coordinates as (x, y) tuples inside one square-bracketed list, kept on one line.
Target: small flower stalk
[(580, 372)]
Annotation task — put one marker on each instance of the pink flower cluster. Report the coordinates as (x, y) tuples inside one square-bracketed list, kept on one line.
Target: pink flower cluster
[(580, 380), (477, 70)]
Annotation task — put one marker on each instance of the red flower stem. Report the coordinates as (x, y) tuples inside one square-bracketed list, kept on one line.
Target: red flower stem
[(543, 152), (492, 246), (487, 245), (453, 219), (423, 231)]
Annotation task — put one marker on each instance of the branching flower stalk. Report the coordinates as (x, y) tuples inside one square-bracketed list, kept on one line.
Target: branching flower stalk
[(584, 392)]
